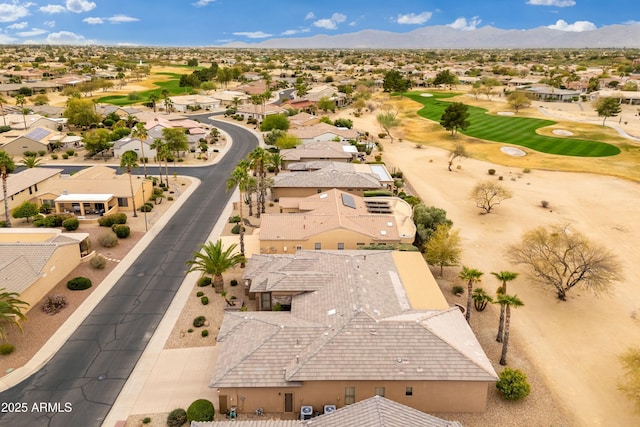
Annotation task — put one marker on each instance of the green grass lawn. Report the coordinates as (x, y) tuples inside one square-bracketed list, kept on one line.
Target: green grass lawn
[(172, 85), (514, 130)]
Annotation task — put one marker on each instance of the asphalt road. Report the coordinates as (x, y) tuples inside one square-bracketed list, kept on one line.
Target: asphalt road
[(78, 386)]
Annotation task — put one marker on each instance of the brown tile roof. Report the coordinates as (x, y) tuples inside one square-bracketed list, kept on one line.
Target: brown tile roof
[(315, 150), (327, 178), (26, 178)]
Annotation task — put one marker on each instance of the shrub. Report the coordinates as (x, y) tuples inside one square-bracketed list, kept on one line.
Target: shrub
[(190, 330), (158, 191), (234, 219), (41, 153), (109, 220), (65, 156), (457, 289), (204, 300), (108, 239), (170, 199), (500, 178), (53, 304), (29, 153), (6, 349), (200, 410), (98, 262), (199, 321), (54, 157), (204, 333), (513, 384), (382, 135), (492, 171), (199, 294), (146, 420), (236, 229), (176, 418), (544, 204), (204, 281), (71, 224), (526, 170), (3, 224), (122, 231), (70, 152), (234, 282), (146, 208), (45, 209), (79, 284)]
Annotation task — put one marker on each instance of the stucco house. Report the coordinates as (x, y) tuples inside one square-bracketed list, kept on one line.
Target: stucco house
[(333, 151), (134, 144), (352, 325), (323, 132), (184, 103), (335, 219), (25, 185)]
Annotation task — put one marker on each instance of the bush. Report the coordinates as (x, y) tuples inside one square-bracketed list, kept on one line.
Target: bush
[(70, 152), (3, 224), (108, 239), (544, 204), (234, 282), (234, 219), (177, 417), (71, 224), (146, 420), (200, 410), (382, 135), (146, 208), (513, 384), (45, 209), (199, 321), (204, 281), (41, 153), (199, 294), (29, 153), (204, 333), (492, 171), (457, 289), (6, 349), (53, 304), (236, 229), (109, 220), (204, 300), (98, 262), (54, 157), (79, 284), (526, 170), (122, 231), (65, 156)]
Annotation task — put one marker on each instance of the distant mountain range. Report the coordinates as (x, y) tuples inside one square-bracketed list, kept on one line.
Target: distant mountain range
[(444, 37)]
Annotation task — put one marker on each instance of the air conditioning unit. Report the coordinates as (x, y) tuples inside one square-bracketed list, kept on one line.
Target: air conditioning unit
[(306, 412), (329, 409)]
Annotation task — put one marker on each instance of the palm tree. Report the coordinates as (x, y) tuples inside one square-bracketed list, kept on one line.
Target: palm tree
[(6, 167), (30, 162), (153, 99), (214, 260), (240, 178), (128, 162), (481, 299), (471, 275), (20, 101), (168, 104), (275, 160), (504, 277), (257, 159), (158, 145), (507, 301), (2, 102), (252, 188), (10, 311), (140, 132)]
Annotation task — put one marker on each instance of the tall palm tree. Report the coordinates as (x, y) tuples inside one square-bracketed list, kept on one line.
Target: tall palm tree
[(153, 99), (257, 159), (30, 162), (471, 275), (275, 160), (20, 101), (158, 145), (168, 104), (128, 162), (10, 311), (504, 277), (252, 188), (2, 102), (140, 132), (6, 167), (214, 260), (240, 178), (507, 301)]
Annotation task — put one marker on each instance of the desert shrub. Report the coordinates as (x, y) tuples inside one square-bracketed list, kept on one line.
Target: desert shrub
[(500, 178), (146, 420), (234, 219), (3, 224), (70, 152), (199, 321), (190, 330), (108, 239), (200, 410), (122, 231), (79, 284), (29, 153), (98, 262), (41, 153), (199, 294), (236, 229), (513, 384), (54, 157), (457, 289), (176, 418), (526, 170), (377, 193), (170, 199), (204, 281), (71, 224), (544, 204), (382, 135), (204, 300), (157, 191), (45, 209), (65, 156), (234, 282), (109, 220), (52, 304), (54, 220), (6, 349), (492, 171), (204, 333)]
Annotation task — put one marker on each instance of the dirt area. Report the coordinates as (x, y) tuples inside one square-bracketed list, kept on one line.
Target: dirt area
[(39, 326)]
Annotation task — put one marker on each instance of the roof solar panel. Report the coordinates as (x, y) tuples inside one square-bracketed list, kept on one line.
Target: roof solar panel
[(347, 200), (38, 133)]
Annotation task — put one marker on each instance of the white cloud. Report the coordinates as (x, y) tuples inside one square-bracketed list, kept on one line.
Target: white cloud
[(119, 19), (464, 25), (67, 37), (32, 33), (577, 26), (93, 21), (202, 3), (252, 34), (4, 39), (414, 19), (557, 3), (330, 23), (18, 25), (13, 12), (53, 9), (79, 6), (310, 15), (289, 32), (49, 24), (127, 44)]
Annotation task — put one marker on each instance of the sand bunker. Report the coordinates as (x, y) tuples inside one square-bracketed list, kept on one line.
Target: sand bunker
[(562, 132), (426, 95), (506, 113), (513, 151)]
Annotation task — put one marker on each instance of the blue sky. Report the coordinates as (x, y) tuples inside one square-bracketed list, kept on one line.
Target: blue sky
[(216, 22)]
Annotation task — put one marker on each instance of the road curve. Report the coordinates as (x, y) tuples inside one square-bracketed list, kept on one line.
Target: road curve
[(80, 383)]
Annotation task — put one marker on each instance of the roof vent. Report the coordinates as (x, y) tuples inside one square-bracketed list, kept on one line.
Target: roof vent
[(383, 232), (398, 359)]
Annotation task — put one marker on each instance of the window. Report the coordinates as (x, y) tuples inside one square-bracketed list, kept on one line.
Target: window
[(349, 395), (408, 391), (379, 391), (319, 190), (266, 301), (318, 246), (340, 246), (123, 202), (360, 244), (298, 248)]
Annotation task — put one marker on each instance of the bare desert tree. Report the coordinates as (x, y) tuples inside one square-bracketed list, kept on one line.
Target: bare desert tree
[(387, 121), (564, 258), (488, 194), (457, 151)]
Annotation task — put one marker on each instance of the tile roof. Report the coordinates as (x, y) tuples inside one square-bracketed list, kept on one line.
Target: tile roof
[(327, 178), (315, 150), (312, 131), (26, 178)]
